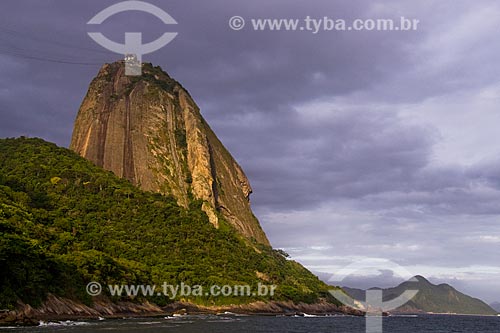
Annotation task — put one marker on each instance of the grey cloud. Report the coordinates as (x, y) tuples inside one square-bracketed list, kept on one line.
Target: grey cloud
[(352, 154), (385, 279)]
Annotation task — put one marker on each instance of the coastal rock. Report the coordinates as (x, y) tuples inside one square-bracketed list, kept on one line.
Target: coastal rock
[(58, 308)]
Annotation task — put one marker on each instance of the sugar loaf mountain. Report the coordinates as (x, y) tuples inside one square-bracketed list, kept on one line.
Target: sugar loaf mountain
[(149, 131), (146, 194)]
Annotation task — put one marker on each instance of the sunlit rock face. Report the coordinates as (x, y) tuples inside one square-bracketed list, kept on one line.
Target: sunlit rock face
[(149, 130)]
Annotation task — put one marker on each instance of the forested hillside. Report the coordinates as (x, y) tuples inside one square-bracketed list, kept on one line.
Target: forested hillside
[(65, 222)]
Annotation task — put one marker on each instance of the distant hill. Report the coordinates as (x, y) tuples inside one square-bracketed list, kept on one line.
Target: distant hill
[(495, 306), (431, 298)]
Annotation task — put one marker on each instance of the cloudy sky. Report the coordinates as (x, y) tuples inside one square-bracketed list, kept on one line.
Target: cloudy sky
[(358, 144)]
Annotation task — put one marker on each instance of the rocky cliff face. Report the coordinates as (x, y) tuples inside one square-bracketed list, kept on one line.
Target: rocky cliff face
[(148, 130)]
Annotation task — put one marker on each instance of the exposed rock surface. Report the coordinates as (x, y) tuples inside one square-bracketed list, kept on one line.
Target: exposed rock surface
[(148, 130), (58, 308), (267, 308), (55, 308)]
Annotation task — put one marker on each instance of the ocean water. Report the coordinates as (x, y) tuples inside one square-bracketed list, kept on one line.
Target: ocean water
[(251, 324)]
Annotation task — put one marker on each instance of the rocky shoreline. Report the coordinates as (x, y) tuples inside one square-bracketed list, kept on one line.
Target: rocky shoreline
[(58, 308)]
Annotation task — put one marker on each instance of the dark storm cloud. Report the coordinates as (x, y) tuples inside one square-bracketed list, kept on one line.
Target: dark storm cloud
[(352, 154)]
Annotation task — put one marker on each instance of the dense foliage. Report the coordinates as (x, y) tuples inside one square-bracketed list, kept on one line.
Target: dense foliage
[(65, 222)]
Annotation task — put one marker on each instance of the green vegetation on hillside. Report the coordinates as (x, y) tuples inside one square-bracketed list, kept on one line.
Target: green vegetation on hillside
[(65, 222)]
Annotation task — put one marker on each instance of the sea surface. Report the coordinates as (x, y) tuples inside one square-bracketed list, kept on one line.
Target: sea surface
[(251, 324)]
